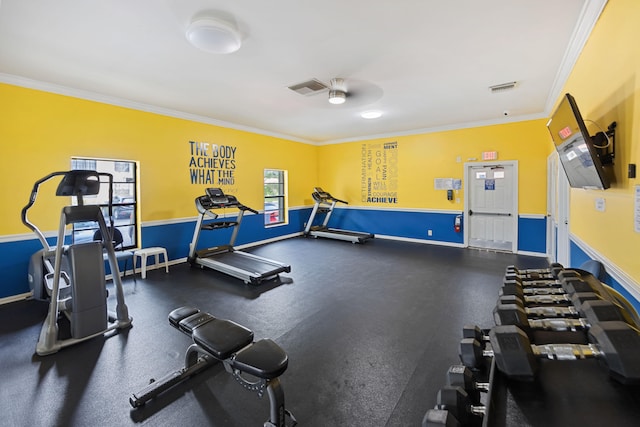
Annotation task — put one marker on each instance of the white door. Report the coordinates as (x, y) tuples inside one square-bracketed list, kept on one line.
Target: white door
[(492, 205)]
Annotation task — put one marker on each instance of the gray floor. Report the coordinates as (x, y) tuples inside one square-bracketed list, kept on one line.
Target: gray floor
[(369, 329)]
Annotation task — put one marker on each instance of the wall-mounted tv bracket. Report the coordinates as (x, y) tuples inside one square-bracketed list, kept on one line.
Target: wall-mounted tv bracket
[(605, 143)]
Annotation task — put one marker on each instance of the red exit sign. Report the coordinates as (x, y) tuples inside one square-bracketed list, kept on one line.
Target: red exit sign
[(565, 132), (489, 155)]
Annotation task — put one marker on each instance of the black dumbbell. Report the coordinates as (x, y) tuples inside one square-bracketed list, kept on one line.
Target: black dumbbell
[(551, 272), (462, 376), (568, 288), (617, 343), (552, 267), (557, 275), (474, 331), (439, 417), (459, 404), (592, 312), (473, 352), (564, 276), (551, 302)]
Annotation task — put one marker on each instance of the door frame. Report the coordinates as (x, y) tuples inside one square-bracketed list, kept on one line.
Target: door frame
[(514, 206), (564, 198), (552, 207), (558, 207)]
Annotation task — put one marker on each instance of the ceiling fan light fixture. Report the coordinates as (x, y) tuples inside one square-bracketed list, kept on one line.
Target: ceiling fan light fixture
[(337, 97), (214, 36)]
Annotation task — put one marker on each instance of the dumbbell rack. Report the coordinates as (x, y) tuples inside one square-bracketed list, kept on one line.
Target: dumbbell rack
[(563, 393)]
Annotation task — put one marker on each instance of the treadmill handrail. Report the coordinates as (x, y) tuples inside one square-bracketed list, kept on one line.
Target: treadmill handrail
[(319, 195), (207, 202)]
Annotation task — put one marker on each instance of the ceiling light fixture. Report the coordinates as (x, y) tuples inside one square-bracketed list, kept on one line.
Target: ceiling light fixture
[(371, 114), (337, 91), (214, 36), (337, 97)]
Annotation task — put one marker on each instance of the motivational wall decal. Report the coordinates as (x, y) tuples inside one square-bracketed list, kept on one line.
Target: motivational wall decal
[(379, 177), (212, 164)]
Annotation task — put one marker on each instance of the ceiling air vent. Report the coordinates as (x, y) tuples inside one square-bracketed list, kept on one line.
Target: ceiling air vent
[(310, 87), (502, 87)]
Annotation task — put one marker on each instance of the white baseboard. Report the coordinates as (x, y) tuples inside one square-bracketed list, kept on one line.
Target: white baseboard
[(14, 298)]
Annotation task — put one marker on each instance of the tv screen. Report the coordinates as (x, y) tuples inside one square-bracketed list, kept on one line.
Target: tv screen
[(575, 147)]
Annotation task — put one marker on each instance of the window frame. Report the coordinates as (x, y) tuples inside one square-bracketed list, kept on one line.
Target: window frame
[(128, 226), (275, 192)]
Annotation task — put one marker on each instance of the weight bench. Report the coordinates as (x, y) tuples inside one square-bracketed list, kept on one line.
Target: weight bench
[(218, 340)]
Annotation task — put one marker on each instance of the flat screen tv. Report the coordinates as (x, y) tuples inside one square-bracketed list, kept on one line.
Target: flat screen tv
[(578, 154)]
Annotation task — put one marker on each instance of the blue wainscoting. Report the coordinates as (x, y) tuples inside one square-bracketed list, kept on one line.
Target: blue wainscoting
[(14, 263), (578, 257), (532, 234), (402, 224), (176, 236)]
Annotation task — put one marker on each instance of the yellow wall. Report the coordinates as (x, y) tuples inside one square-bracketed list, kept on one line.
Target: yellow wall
[(40, 132), (425, 157), (605, 84)]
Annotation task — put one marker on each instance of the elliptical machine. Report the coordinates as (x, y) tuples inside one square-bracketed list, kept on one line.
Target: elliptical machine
[(72, 277)]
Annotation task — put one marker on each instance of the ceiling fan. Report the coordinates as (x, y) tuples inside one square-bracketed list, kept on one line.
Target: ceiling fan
[(340, 89)]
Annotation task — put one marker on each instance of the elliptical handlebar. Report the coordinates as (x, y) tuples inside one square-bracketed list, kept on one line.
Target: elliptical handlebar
[(74, 183), (32, 200)]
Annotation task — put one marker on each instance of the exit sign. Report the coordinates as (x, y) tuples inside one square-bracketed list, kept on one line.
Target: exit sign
[(489, 155)]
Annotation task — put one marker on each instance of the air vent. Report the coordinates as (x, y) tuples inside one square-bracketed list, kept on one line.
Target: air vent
[(310, 87), (502, 87)]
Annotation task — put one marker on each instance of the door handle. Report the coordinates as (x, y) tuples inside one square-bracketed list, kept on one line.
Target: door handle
[(491, 213)]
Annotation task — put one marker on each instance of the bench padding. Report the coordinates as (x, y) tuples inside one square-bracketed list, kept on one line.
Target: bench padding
[(228, 341), (264, 359), (222, 338), (181, 313)]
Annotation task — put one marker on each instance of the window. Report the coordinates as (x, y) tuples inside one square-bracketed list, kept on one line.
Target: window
[(274, 197), (125, 200)]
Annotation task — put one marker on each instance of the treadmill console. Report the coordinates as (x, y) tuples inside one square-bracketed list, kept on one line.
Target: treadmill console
[(217, 196)]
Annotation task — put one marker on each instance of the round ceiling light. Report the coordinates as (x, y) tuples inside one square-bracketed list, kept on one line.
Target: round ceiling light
[(371, 114), (214, 36)]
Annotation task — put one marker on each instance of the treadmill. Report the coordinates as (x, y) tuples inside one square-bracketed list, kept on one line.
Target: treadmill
[(325, 203), (252, 269)]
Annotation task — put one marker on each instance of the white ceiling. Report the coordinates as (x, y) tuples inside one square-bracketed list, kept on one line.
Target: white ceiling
[(426, 64)]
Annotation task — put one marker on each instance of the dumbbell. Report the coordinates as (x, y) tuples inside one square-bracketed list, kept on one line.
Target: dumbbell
[(564, 276), (617, 343), (473, 352), (553, 266), (556, 274), (439, 417), (568, 288), (560, 305), (553, 299), (592, 312), (551, 272), (462, 376), (458, 402), (474, 331)]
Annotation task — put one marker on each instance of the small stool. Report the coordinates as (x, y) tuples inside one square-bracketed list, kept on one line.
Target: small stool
[(146, 252)]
